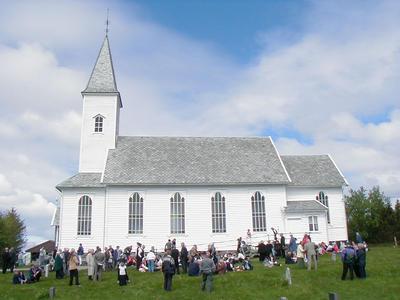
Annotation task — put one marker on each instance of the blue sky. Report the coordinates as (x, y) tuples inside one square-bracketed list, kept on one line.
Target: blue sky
[(318, 76)]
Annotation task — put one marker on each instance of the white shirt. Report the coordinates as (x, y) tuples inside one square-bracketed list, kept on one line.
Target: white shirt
[(122, 270)]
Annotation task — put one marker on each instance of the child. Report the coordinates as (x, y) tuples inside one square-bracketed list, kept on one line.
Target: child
[(122, 274)]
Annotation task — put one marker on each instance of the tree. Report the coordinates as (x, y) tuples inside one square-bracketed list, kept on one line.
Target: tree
[(12, 230), (371, 214)]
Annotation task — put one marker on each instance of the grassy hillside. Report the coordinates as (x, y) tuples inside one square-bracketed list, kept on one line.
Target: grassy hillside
[(383, 282)]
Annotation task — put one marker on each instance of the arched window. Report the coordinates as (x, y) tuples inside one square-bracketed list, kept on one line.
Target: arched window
[(258, 212), (218, 213), (85, 215), (98, 123), (321, 197), (135, 214), (177, 214)]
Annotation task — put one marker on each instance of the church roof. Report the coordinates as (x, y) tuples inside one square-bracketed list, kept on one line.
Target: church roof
[(194, 160), (82, 180), (102, 79), (299, 206), (313, 170)]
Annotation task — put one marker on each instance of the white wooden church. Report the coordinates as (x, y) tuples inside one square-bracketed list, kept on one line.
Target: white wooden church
[(195, 189)]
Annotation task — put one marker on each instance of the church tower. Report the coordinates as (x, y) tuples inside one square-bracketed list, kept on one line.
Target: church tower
[(100, 115)]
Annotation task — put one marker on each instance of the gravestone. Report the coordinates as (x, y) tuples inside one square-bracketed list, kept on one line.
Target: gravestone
[(288, 276), (52, 292), (333, 296)]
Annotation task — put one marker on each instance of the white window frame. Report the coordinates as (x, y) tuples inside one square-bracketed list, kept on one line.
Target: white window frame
[(258, 212), (323, 198), (135, 214), (177, 214), (313, 223), (98, 123), (85, 204), (218, 213)]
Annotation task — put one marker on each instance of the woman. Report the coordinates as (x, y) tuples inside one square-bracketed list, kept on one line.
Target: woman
[(58, 266), (300, 255), (73, 267), (90, 264)]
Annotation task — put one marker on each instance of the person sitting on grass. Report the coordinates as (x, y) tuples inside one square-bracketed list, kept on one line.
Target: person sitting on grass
[(289, 258), (143, 266), (207, 268), (221, 267), (122, 274), (19, 277), (247, 266), (34, 274)]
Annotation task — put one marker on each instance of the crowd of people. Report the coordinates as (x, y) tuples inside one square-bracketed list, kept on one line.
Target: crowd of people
[(174, 260)]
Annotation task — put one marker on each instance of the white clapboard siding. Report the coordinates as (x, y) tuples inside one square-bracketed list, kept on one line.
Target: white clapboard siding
[(336, 230)]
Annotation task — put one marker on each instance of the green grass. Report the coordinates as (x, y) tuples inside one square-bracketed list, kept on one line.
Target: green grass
[(383, 271)]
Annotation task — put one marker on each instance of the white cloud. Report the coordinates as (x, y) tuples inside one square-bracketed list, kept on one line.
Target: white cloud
[(343, 69)]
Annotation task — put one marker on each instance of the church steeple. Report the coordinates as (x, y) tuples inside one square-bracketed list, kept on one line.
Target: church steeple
[(102, 79), (100, 115)]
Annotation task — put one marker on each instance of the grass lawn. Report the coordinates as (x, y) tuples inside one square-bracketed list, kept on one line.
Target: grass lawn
[(383, 282)]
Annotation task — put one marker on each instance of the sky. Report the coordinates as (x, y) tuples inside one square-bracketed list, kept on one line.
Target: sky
[(318, 76)]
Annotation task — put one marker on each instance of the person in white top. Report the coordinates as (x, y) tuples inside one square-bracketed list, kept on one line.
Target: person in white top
[(122, 274), (151, 258), (300, 255)]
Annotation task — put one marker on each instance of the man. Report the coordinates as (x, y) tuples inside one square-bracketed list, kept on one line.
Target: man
[(309, 248), (361, 261), (168, 246), (348, 259), (207, 268), (139, 255), (175, 256), (168, 268), (5, 257), (80, 253), (99, 261), (262, 251), (283, 245), (66, 261), (292, 244), (184, 258)]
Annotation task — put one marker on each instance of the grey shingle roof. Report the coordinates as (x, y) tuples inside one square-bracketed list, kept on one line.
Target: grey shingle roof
[(82, 180), (102, 79), (194, 160), (312, 170), (299, 206)]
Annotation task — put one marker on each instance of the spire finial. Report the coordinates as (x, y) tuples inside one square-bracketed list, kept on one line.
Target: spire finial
[(107, 23)]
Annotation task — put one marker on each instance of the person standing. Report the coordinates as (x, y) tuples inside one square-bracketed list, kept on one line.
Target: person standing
[(42, 257), (283, 245), (122, 274), (168, 268), (168, 246), (207, 268), (73, 267), (361, 261), (184, 258), (99, 261), (66, 261), (262, 251), (311, 255), (348, 259), (80, 253), (359, 239), (292, 244), (90, 264), (5, 257), (58, 266), (300, 255), (151, 258), (175, 256), (13, 259), (139, 255)]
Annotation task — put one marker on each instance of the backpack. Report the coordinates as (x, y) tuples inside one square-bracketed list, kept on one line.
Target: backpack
[(349, 257), (168, 267)]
